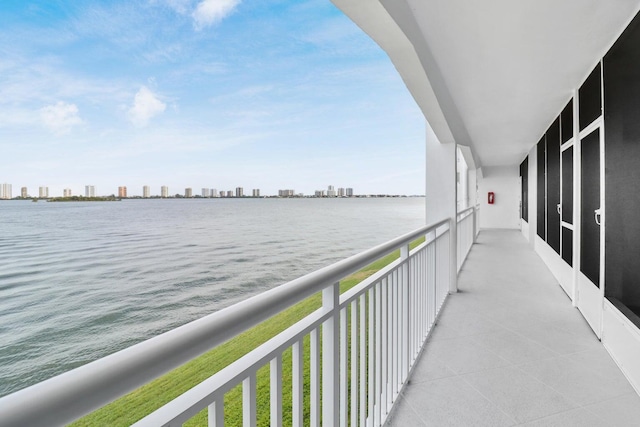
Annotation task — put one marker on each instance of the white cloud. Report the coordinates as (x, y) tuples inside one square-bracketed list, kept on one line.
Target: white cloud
[(146, 105), (180, 6), (60, 117), (210, 12)]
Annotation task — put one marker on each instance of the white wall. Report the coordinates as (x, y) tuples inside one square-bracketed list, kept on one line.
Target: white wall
[(504, 181)]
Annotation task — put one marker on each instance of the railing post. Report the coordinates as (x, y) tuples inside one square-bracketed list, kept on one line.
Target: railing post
[(475, 226), (453, 254), (331, 357), (406, 357)]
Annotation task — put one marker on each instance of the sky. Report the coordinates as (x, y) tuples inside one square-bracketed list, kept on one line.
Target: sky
[(268, 94)]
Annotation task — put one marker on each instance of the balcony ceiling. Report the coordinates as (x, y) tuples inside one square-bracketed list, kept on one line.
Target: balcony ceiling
[(492, 74)]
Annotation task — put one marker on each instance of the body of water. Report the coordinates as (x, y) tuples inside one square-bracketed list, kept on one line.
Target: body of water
[(79, 281)]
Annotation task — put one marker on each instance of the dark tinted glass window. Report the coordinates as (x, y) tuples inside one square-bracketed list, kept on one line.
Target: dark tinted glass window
[(567, 245), (590, 99), (567, 185), (590, 201), (541, 196), (621, 68), (566, 122)]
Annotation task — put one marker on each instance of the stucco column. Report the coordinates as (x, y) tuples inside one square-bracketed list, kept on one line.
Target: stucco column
[(440, 191)]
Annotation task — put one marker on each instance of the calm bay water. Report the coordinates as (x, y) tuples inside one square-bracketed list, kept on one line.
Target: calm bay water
[(79, 281)]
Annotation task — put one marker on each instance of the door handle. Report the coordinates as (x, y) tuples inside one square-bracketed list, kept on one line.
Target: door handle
[(598, 216), (559, 208)]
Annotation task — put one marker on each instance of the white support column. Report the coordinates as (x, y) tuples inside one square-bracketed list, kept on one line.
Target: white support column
[(441, 193), (331, 357)]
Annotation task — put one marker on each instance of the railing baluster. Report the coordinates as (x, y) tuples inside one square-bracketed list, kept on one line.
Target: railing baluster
[(363, 361), (297, 364), (423, 295), (344, 377), (315, 379), (378, 356), (385, 348), (354, 363), (415, 307), (415, 314), (216, 412), (389, 339), (404, 255), (249, 401), (276, 391), (395, 328), (371, 364)]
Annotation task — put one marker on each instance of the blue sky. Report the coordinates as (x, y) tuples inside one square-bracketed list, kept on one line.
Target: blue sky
[(265, 94)]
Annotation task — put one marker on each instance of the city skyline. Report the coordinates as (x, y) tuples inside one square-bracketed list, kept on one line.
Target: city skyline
[(165, 192), (257, 93)]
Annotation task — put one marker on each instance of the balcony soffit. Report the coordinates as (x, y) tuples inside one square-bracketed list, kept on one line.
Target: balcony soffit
[(497, 72)]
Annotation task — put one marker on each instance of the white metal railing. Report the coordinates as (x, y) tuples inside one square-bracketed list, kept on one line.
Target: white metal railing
[(362, 345), (466, 234)]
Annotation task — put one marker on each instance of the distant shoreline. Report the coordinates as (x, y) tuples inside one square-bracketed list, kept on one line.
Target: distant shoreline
[(80, 199), (117, 199)]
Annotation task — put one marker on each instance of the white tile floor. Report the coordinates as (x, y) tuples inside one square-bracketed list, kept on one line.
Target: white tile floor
[(509, 349)]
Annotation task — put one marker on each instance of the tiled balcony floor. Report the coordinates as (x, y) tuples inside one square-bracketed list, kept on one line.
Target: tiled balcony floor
[(509, 349)]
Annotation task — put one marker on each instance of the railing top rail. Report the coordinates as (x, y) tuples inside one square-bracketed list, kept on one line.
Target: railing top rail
[(73, 394), (469, 209)]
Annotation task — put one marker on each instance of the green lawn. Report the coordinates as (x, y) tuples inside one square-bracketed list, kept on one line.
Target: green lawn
[(139, 403)]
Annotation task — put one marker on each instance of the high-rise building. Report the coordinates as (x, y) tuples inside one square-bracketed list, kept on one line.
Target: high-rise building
[(43, 192), (146, 192), (5, 191), (188, 192), (349, 192), (331, 192), (66, 192), (89, 191), (122, 192), (286, 193), (214, 193), (206, 192), (319, 193), (164, 191), (340, 192), (255, 192), (23, 192), (239, 192), (229, 193)]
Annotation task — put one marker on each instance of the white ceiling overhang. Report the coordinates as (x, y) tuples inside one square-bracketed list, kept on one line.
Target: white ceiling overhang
[(492, 74)]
